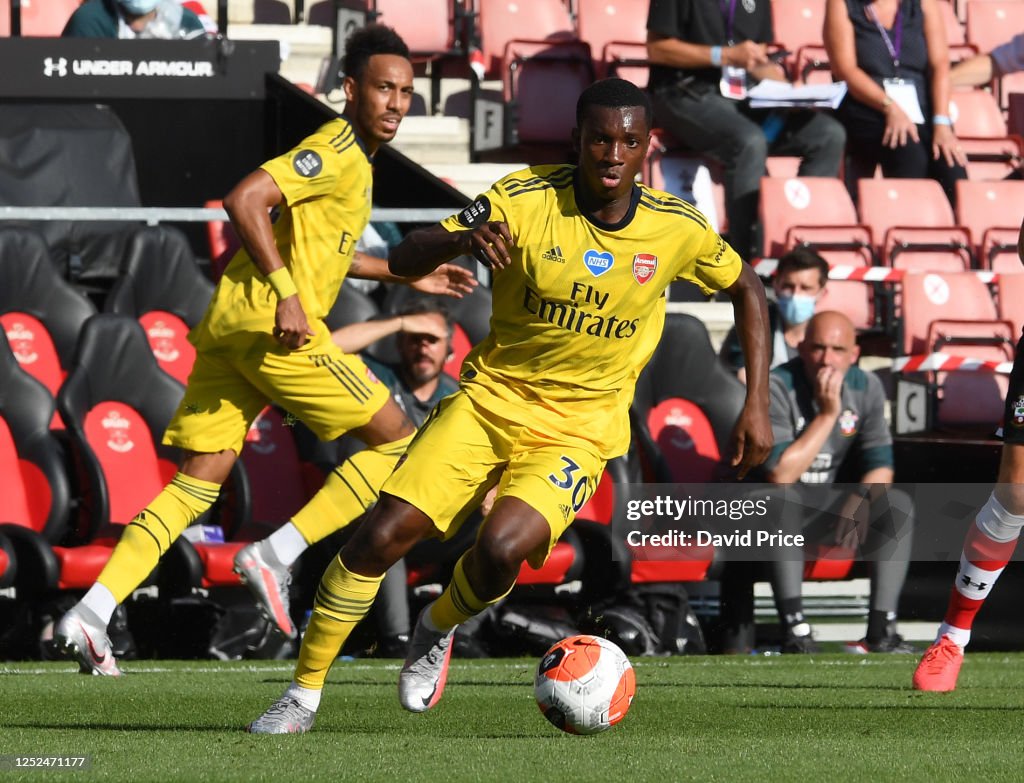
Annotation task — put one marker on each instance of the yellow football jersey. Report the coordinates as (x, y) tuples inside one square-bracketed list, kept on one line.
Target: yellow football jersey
[(580, 310), (326, 182)]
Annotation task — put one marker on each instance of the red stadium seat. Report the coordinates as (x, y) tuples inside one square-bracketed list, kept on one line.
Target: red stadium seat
[(1010, 296), (854, 298), (222, 240), (992, 212), (913, 216), (954, 314), (502, 21), (39, 18), (992, 22), (35, 493), (41, 313), (816, 211), (927, 297), (162, 286), (116, 404), (798, 24), (542, 81), (976, 113), (616, 31)]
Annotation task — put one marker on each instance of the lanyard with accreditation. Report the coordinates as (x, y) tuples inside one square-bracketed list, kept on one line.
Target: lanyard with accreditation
[(902, 92)]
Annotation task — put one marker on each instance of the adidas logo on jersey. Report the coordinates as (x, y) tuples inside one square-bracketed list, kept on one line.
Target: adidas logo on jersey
[(554, 254)]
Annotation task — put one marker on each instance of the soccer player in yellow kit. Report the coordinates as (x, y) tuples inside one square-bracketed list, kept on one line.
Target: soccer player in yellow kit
[(582, 259), (263, 340)]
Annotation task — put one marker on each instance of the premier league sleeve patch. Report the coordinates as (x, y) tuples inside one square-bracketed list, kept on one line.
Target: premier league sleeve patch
[(476, 214), (307, 163)]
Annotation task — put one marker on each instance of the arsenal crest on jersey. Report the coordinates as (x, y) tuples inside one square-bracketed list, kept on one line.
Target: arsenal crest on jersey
[(644, 267)]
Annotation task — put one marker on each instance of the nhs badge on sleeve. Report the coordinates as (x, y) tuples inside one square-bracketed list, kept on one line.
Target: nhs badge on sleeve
[(598, 263)]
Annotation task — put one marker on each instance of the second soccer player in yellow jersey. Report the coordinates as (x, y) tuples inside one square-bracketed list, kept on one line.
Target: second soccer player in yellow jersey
[(582, 258), (263, 341)]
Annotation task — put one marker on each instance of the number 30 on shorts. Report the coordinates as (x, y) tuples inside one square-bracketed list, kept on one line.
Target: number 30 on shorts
[(581, 487)]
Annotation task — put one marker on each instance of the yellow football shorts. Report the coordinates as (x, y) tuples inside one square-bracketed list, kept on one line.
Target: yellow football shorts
[(325, 388), (462, 450)]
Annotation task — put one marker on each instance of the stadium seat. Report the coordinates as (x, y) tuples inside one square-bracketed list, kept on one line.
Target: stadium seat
[(39, 18), (41, 313), (542, 81), (222, 241), (502, 21), (351, 307), (855, 299), (798, 25), (428, 27), (993, 158), (616, 31), (116, 403), (812, 66), (8, 562), (976, 113), (35, 493), (1010, 299), (913, 218), (626, 61), (992, 212), (685, 408), (162, 286), (965, 398), (924, 297), (816, 211), (992, 22)]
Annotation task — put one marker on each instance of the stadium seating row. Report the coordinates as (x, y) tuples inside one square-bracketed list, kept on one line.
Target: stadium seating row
[(904, 224)]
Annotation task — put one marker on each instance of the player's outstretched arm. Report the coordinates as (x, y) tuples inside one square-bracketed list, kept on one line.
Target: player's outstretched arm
[(426, 249), (752, 436), (445, 280)]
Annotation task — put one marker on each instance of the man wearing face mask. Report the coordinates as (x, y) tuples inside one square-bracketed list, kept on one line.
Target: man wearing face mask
[(800, 279), (165, 19)]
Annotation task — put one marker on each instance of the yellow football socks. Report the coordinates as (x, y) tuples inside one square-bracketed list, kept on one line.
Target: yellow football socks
[(349, 491), (342, 600), (153, 530), (458, 602)]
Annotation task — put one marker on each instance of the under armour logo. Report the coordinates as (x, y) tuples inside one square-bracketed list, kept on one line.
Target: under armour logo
[(968, 582), (58, 67)]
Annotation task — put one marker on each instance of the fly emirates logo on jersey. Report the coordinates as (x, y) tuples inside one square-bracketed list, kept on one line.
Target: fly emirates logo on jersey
[(584, 313)]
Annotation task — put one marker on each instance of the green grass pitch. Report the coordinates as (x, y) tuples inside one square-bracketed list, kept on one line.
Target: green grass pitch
[(789, 718)]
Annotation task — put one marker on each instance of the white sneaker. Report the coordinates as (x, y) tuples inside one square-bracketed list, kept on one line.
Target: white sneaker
[(284, 716), (86, 643), (269, 586), (425, 671)]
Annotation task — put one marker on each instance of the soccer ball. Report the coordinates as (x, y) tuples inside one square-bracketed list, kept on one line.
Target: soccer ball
[(584, 685)]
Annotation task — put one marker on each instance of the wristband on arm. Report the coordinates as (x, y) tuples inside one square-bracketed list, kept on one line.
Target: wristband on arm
[(716, 55), (281, 281), (942, 119)]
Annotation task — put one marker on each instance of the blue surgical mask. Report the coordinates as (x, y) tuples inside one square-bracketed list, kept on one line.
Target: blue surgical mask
[(796, 308)]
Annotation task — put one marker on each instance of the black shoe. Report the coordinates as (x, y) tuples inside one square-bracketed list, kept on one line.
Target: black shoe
[(800, 642), (891, 643)]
